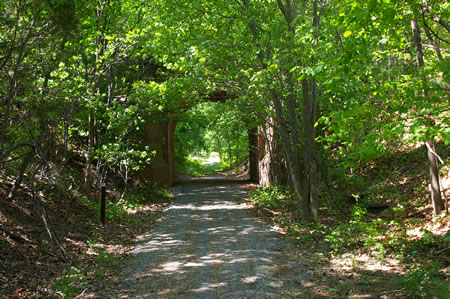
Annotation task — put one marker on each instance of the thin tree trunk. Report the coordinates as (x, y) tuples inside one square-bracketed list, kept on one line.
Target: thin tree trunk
[(294, 166), (417, 42), (253, 154), (300, 172), (434, 43), (310, 117), (436, 199), (88, 172), (288, 124), (309, 149), (20, 175), (236, 138), (91, 118), (230, 153), (66, 139)]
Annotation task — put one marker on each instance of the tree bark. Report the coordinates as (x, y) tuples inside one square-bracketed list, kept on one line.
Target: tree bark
[(309, 149), (434, 43), (285, 113), (253, 154), (90, 149), (417, 42), (436, 199), (442, 23), (291, 151), (310, 118)]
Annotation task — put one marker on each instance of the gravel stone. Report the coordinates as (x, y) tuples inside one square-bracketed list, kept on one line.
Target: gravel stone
[(208, 245)]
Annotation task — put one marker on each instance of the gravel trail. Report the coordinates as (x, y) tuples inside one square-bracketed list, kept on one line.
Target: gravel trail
[(209, 246)]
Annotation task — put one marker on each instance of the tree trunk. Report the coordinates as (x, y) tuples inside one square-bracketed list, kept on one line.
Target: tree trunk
[(230, 151), (253, 154), (20, 174), (417, 42), (292, 154), (88, 171), (309, 149), (237, 152), (436, 199), (434, 43), (309, 121), (288, 122)]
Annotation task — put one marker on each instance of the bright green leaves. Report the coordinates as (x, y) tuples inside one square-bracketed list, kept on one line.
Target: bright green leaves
[(446, 136), (150, 96), (132, 60), (313, 72), (347, 33), (211, 127), (374, 95), (125, 159)]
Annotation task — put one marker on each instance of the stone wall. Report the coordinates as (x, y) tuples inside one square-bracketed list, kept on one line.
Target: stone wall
[(159, 137), (266, 161)]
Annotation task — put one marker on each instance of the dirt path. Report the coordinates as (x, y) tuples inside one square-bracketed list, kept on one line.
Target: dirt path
[(209, 246)]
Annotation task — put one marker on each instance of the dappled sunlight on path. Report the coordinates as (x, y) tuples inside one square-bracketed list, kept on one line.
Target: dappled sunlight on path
[(207, 246)]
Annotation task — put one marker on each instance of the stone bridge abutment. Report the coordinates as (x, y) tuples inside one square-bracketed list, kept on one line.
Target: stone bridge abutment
[(266, 165)]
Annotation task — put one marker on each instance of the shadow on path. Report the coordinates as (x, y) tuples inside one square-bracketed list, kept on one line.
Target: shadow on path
[(209, 246)]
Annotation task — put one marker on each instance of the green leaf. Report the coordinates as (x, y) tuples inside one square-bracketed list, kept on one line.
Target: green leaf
[(347, 33), (446, 137)]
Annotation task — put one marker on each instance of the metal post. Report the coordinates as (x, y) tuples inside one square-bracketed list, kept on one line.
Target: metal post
[(103, 204)]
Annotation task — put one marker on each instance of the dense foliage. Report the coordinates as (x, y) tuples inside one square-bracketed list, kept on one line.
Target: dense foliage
[(342, 83), (355, 78), (211, 128)]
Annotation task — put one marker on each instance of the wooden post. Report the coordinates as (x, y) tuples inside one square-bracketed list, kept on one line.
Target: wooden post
[(103, 204)]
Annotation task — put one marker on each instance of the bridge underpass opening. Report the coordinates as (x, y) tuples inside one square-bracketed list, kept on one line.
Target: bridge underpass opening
[(210, 137)]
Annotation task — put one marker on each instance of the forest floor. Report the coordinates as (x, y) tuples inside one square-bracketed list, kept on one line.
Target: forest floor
[(402, 252), (33, 265), (210, 243)]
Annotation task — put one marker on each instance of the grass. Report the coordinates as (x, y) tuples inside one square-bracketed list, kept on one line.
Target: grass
[(195, 166)]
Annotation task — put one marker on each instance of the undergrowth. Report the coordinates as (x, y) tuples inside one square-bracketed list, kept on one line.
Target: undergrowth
[(76, 279), (425, 280), (381, 236), (121, 207), (404, 232)]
